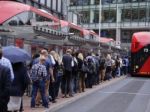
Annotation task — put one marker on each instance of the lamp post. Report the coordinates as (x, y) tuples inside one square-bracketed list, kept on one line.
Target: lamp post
[(100, 13)]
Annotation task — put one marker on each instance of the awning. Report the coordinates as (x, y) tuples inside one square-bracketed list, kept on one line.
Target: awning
[(106, 40)]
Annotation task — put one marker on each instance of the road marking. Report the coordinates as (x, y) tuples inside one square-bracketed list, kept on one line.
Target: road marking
[(142, 94)]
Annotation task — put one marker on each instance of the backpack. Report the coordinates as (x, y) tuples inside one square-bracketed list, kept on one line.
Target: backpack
[(91, 67), (84, 68), (102, 64)]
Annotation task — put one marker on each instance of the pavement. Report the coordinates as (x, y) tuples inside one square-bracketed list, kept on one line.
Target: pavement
[(61, 102)]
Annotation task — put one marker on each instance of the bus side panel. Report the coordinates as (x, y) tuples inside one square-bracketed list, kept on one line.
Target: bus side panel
[(145, 69)]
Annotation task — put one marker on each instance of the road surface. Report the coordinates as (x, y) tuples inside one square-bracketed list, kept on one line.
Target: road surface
[(127, 95)]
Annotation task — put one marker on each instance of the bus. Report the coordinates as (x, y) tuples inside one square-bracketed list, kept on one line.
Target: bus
[(140, 54)]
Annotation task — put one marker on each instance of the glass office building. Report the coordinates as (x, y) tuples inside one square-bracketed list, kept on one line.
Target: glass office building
[(119, 18)]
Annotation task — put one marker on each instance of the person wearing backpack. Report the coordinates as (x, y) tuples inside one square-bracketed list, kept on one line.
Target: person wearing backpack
[(90, 73), (108, 72), (75, 76), (82, 71), (124, 65), (118, 66), (102, 69)]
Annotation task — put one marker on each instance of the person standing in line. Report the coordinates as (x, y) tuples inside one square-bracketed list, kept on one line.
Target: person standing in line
[(102, 69), (75, 70), (5, 82), (4, 61), (49, 68), (58, 70), (67, 77), (108, 72), (118, 64), (19, 85), (38, 76), (81, 72), (52, 86)]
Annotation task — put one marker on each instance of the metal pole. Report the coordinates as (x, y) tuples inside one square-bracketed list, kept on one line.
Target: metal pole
[(100, 14)]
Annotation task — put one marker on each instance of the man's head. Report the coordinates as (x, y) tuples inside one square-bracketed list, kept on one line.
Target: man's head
[(44, 52), (69, 51), (42, 59)]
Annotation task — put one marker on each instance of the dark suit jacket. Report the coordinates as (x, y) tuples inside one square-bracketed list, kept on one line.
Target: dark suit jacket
[(21, 79), (67, 59), (5, 82)]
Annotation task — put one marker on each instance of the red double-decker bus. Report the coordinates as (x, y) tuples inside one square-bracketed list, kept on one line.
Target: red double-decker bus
[(140, 54)]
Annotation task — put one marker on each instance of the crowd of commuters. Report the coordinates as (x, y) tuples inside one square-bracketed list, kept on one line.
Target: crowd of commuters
[(51, 74), (70, 74)]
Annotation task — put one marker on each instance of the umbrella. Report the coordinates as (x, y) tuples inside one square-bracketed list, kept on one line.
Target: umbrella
[(15, 54)]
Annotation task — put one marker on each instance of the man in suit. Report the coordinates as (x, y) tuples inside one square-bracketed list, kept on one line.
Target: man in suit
[(5, 82), (67, 78)]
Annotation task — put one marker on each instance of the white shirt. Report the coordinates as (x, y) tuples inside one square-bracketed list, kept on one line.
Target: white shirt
[(52, 59), (5, 62)]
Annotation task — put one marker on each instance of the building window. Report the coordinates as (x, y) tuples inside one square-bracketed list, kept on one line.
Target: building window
[(109, 34), (108, 1), (126, 15), (96, 2), (72, 2), (96, 17), (142, 15), (83, 2), (84, 17), (135, 15), (109, 16)]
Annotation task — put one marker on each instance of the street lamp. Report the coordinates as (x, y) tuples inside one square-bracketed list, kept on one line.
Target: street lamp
[(100, 13)]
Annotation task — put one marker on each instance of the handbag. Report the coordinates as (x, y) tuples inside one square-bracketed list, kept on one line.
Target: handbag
[(14, 103)]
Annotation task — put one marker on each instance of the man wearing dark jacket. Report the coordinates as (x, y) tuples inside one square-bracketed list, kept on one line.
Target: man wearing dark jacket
[(67, 78), (5, 82)]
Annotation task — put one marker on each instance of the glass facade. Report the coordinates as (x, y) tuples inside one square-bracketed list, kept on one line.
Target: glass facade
[(108, 16), (79, 2), (84, 17), (119, 18)]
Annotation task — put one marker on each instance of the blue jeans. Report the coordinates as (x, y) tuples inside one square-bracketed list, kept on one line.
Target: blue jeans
[(41, 86)]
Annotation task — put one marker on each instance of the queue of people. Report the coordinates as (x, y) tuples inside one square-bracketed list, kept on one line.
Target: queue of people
[(73, 73), (51, 75)]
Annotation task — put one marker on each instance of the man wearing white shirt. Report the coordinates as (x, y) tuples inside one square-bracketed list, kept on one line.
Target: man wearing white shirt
[(5, 62)]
